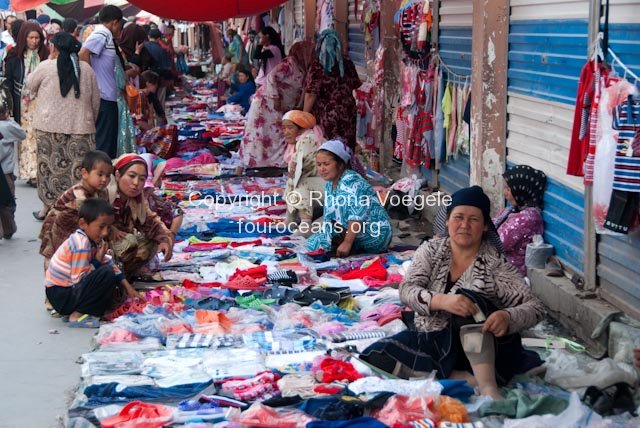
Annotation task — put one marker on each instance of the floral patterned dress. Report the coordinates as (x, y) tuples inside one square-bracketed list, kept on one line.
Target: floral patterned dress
[(335, 106), (263, 144)]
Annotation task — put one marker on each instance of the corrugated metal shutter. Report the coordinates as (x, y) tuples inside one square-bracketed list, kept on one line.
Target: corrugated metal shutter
[(546, 55), (454, 47), (618, 268), (356, 36)]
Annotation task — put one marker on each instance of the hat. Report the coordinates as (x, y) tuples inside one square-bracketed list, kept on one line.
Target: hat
[(43, 19), (126, 160), (338, 148), (302, 119)]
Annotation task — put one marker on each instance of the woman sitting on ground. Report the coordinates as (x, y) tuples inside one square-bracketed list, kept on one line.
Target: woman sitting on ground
[(454, 283), (518, 223), (137, 233), (353, 218), (243, 89), (304, 187)]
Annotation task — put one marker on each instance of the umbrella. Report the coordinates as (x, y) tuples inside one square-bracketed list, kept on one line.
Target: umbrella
[(205, 10)]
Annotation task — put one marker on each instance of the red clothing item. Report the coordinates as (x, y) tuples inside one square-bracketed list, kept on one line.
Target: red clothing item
[(242, 244), (259, 272), (192, 285), (578, 148), (375, 270)]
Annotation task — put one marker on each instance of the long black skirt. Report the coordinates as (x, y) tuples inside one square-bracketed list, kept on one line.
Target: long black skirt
[(416, 354)]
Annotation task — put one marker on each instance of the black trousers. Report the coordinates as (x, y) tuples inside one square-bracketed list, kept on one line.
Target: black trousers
[(107, 128), (93, 295)]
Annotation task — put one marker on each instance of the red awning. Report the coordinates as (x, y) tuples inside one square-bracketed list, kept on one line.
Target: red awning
[(205, 10)]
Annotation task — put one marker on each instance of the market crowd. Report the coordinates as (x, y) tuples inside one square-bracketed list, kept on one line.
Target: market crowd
[(81, 103)]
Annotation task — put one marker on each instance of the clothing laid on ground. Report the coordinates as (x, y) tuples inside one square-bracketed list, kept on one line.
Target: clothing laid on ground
[(353, 199)]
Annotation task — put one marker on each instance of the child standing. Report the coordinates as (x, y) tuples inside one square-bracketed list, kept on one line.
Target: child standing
[(81, 278), (62, 218), (10, 133)]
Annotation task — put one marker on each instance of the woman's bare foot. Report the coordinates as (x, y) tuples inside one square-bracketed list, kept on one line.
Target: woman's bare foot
[(537, 371), (491, 391), (74, 316)]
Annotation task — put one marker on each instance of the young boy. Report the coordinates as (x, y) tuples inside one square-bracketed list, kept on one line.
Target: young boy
[(10, 133), (81, 278), (62, 218)]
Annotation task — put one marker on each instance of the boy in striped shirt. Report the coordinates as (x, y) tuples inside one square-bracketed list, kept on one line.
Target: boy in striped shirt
[(81, 278)]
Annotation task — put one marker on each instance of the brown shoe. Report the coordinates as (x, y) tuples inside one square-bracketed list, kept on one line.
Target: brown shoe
[(553, 267)]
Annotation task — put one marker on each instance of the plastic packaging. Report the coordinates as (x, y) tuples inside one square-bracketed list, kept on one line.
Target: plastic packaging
[(571, 371), (577, 415), (537, 253)]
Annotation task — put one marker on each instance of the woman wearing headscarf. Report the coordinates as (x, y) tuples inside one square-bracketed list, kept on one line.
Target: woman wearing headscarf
[(354, 220), (21, 61), (304, 187), (522, 219), (131, 44), (329, 90), (469, 306), (263, 144), (64, 120)]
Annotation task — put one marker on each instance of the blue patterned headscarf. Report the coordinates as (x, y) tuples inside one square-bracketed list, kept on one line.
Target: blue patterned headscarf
[(329, 50)]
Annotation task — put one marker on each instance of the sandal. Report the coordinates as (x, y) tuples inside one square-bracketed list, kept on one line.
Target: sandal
[(310, 295), (38, 216), (553, 267), (55, 314), (85, 321)]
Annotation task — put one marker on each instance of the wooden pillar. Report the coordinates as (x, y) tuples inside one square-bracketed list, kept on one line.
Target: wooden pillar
[(590, 243), (391, 77), (489, 96), (310, 19), (341, 19)]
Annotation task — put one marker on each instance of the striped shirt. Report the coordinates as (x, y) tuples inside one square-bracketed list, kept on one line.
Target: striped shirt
[(74, 260)]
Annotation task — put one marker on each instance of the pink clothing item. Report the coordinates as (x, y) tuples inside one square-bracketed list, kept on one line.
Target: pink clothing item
[(379, 283), (517, 232), (177, 163)]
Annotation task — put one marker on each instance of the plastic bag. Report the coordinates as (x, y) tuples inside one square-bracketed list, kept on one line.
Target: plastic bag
[(259, 415), (410, 388), (140, 415), (569, 371), (577, 415), (401, 409), (537, 253)]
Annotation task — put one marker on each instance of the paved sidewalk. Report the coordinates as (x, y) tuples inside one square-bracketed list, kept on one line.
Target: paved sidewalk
[(38, 372)]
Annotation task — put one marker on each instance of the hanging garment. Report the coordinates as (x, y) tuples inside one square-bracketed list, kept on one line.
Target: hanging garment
[(606, 144), (579, 135), (599, 82)]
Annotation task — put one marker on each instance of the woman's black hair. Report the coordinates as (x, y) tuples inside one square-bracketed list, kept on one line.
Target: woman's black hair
[(274, 37), (244, 70)]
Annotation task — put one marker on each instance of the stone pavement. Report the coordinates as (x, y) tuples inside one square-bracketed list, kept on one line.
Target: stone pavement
[(37, 369)]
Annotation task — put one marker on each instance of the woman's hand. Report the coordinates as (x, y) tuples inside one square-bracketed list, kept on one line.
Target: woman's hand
[(139, 46), (497, 323), (166, 249), (118, 235), (102, 250), (456, 304), (343, 249)]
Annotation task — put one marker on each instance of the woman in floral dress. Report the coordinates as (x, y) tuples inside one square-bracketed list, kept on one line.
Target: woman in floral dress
[(263, 144)]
